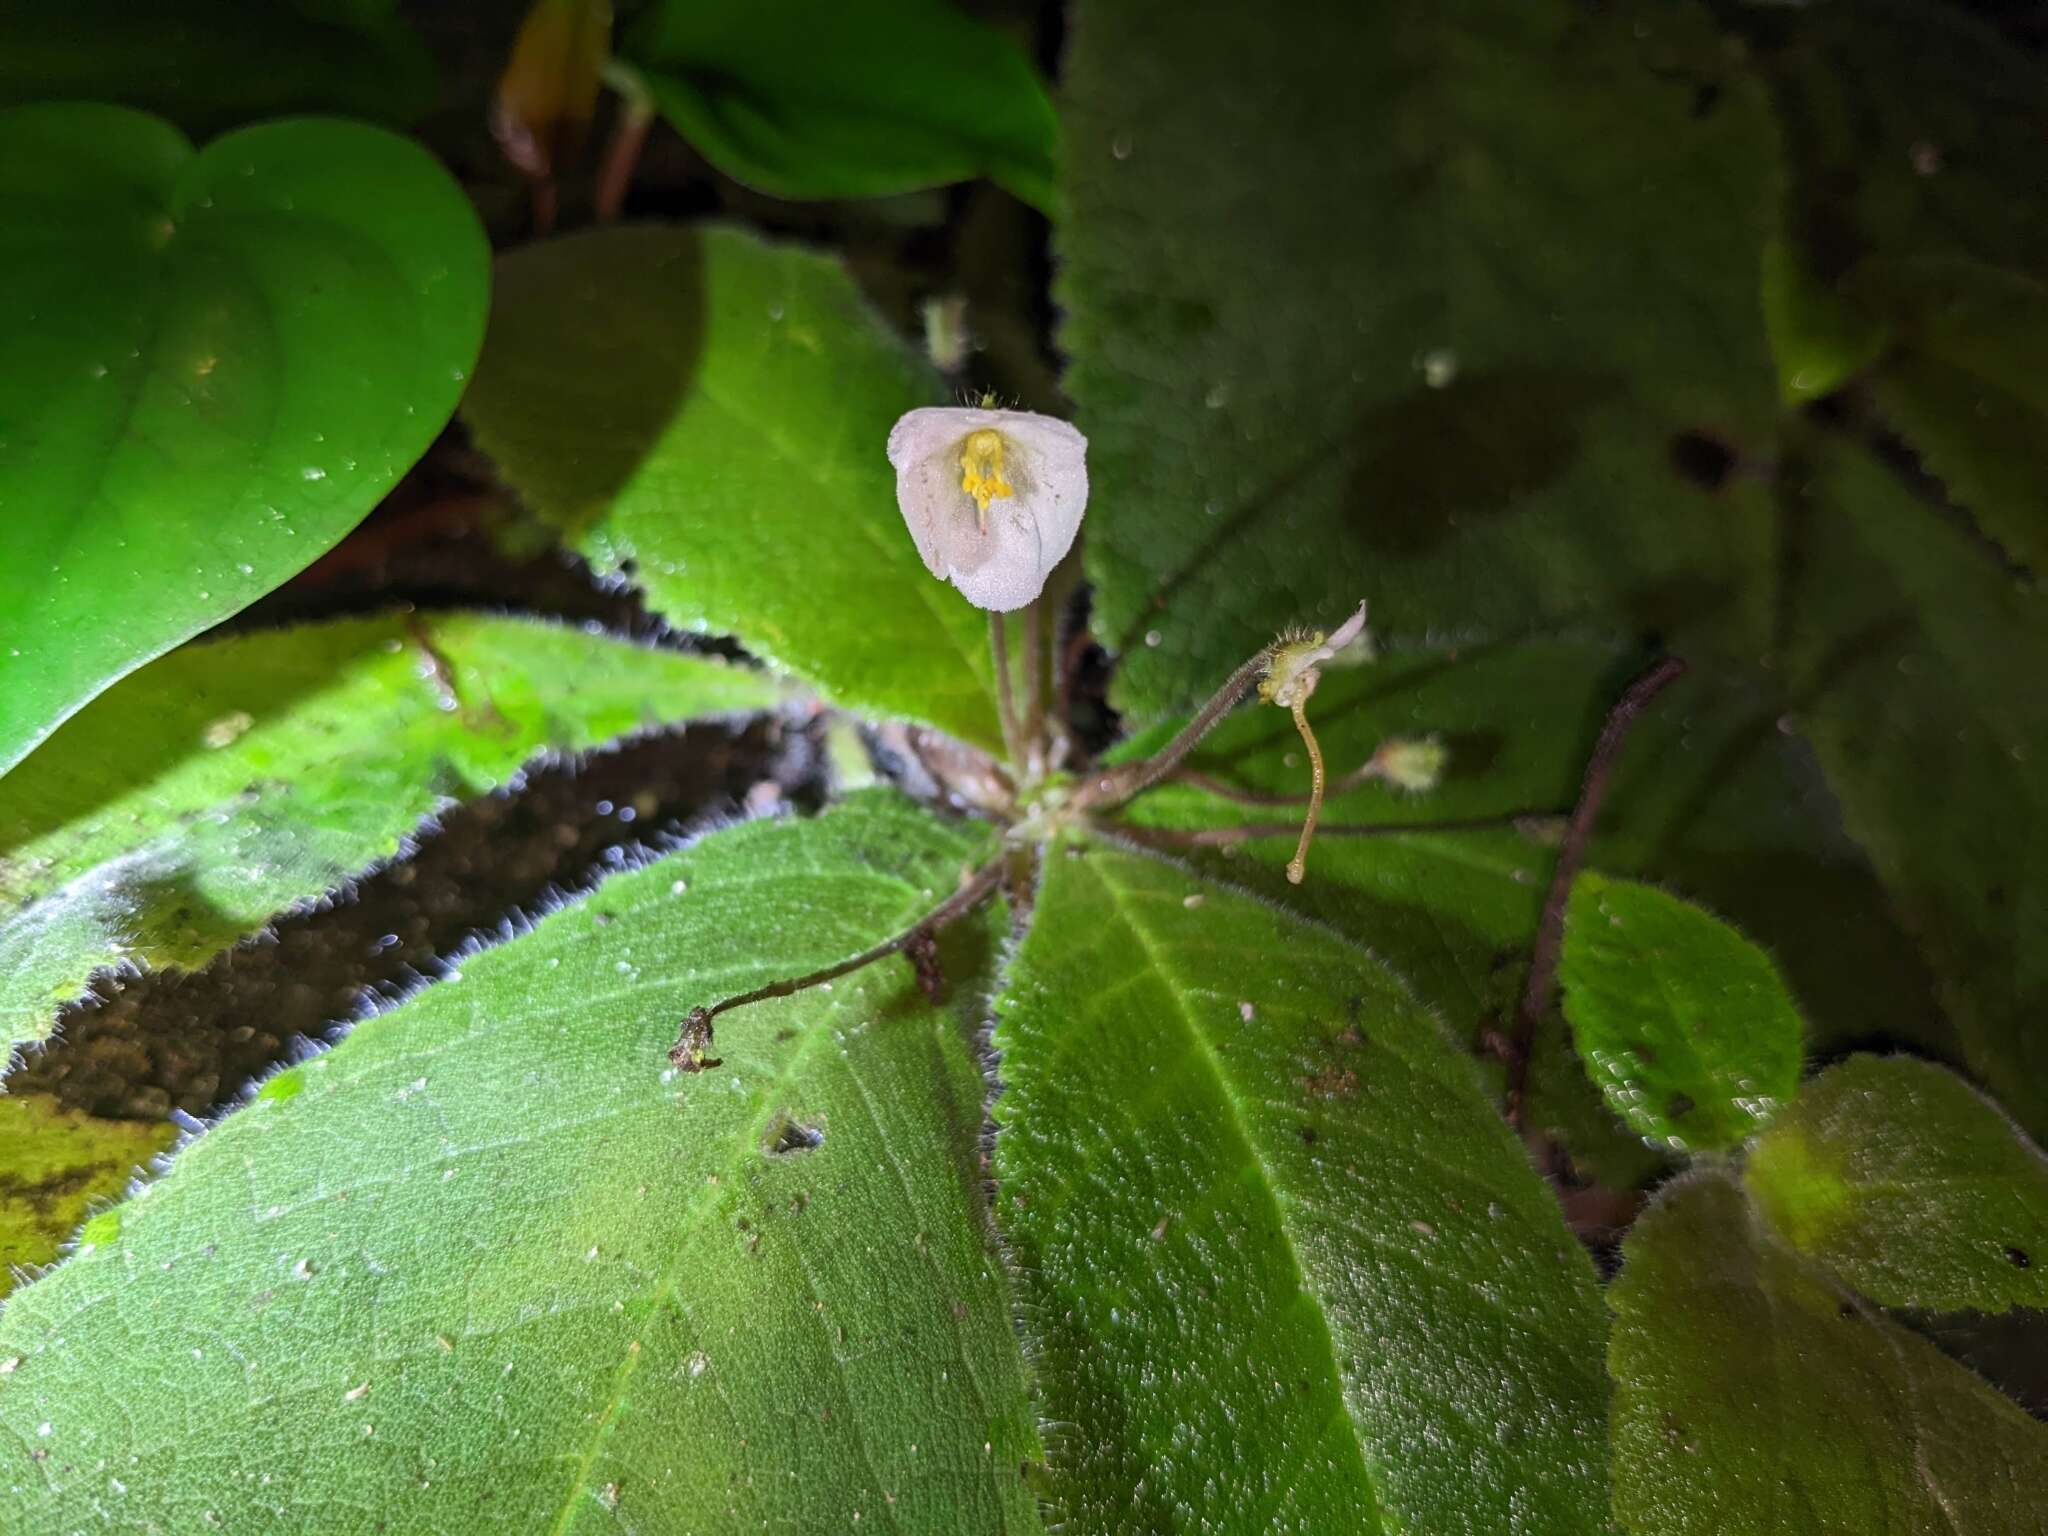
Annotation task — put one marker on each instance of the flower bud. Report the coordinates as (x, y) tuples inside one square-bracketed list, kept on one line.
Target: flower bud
[(1414, 765)]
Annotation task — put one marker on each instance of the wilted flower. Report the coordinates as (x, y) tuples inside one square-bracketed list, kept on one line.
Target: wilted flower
[(1291, 661), (1291, 664), (993, 498)]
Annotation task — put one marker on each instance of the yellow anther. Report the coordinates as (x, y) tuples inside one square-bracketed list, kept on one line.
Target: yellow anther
[(981, 470)]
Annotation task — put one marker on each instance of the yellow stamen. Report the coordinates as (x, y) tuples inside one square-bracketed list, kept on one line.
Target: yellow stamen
[(981, 470)]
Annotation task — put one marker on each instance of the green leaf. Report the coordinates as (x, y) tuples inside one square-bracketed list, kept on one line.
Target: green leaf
[(1967, 388), (1913, 129), (1909, 1186), (863, 98), (1922, 662), (1988, 447), (1710, 794), (55, 1165), (1754, 1398), (1287, 1268), (209, 65), (1820, 339), (212, 365), (706, 414), (1685, 1024), (488, 1255), (230, 781), (1437, 327)]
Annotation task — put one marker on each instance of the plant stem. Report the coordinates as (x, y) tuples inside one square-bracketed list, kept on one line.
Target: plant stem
[(1034, 686), (1006, 701), (1298, 866), (622, 156), (697, 1028), (1542, 984), (1111, 789)]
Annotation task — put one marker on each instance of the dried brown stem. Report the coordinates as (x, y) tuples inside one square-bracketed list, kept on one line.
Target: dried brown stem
[(622, 157), (1571, 856), (687, 1052)]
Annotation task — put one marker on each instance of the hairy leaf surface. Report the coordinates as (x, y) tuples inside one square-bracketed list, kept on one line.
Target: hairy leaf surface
[(705, 414), (1466, 323), (233, 780), (1683, 1022), (1753, 1397), (1921, 660), (1909, 1186), (490, 1254), (1287, 1269)]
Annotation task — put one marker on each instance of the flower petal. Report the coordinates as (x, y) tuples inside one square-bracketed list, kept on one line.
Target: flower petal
[(1002, 565)]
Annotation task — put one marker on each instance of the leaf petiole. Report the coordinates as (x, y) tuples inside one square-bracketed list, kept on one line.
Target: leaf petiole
[(688, 1053)]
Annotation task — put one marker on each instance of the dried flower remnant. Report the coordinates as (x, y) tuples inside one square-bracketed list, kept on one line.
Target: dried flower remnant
[(1291, 675), (993, 498), (1414, 764)]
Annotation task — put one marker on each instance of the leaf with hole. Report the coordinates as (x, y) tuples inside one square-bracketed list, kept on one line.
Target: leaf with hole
[(1286, 1266), (1754, 1395), (863, 98), (234, 780), (212, 365), (1909, 1186), (488, 1253), (706, 414), (1475, 335), (1683, 1022)]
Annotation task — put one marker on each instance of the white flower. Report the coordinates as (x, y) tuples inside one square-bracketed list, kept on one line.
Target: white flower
[(993, 498)]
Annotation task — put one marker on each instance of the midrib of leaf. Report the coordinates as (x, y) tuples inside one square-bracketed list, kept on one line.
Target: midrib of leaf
[(1159, 963), (665, 1286)]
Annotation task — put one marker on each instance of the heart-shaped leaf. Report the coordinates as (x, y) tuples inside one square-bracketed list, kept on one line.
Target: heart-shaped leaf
[(212, 365)]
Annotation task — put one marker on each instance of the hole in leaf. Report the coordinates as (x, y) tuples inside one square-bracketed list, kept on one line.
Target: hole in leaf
[(1706, 461), (791, 1135)]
